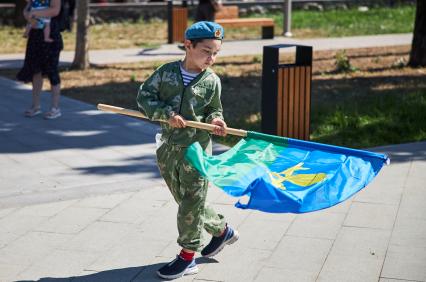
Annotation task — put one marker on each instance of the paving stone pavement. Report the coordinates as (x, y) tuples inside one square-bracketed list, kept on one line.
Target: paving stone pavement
[(81, 200)]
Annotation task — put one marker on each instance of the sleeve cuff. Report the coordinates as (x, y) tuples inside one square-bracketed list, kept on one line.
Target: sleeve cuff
[(213, 116)]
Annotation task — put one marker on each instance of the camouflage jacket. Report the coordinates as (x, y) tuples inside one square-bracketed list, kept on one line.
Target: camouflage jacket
[(163, 94)]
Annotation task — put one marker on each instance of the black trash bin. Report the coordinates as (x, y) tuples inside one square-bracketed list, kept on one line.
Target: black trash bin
[(286, 92)]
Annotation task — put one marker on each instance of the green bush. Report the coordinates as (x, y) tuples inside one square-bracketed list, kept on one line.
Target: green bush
[(343, 63)]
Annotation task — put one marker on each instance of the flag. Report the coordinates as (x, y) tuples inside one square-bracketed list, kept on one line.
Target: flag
[(284, 175)]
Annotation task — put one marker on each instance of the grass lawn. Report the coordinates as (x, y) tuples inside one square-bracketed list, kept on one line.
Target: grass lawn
[(381, 103), (335, 23), (143, 34)]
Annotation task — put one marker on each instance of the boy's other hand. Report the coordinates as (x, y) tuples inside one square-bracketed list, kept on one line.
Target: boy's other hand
[(220, 128), (177, 121)]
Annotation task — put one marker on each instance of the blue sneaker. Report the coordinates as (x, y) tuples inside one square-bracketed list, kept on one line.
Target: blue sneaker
[(216, 244), (178, 268)]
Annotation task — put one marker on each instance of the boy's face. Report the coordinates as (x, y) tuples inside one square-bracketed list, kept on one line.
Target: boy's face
[(203, 55)]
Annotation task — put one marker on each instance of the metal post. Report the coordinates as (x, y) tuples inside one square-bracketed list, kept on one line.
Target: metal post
[(287, 18), (170, 21)]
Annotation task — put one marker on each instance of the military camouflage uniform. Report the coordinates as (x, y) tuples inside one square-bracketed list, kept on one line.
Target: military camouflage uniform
[(159, 97)]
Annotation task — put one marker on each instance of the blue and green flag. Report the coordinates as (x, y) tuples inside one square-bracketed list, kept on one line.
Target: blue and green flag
[(281, 175)]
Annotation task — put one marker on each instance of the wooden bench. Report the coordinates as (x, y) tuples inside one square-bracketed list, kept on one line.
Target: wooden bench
[(177, 18), (228, 16)]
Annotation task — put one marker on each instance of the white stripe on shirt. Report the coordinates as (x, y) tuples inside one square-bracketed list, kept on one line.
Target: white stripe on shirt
[(187, 76)]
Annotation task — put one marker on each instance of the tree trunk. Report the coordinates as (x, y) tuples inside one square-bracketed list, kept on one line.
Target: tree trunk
[(81, 57), (418, 47), (19, 19)]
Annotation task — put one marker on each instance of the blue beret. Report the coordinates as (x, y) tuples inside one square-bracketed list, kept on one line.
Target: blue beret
[(204, 30)]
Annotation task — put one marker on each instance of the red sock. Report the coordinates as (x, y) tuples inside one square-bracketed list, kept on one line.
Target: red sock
[(224, 230), (186, 256)]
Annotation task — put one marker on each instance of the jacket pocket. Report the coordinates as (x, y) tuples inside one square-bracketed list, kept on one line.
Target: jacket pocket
[(201, 97)]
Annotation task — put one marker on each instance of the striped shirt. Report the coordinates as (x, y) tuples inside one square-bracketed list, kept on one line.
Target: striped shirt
[(187, 76)]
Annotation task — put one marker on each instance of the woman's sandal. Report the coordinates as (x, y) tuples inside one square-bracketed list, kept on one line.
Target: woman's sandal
[(31, 112), (53, 113)]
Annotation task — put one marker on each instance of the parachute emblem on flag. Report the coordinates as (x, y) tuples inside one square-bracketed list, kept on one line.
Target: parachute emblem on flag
[(278, 178)]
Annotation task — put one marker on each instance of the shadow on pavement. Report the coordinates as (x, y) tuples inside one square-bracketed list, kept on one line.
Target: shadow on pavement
[(133, 165), (145, 273), (82, 135), (82, 129), (12, 63), (404, 152)]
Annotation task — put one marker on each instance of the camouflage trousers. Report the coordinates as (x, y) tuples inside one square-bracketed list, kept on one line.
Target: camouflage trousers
[(189, 190)]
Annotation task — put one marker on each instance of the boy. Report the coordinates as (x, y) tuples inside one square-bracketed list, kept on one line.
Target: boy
[(176, 92), (39, 23)]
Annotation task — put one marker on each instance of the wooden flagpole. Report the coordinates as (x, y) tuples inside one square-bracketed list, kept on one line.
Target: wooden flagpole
[(194, 124)]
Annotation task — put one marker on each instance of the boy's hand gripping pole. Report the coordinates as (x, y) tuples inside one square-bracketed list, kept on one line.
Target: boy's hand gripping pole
[(194, 124)]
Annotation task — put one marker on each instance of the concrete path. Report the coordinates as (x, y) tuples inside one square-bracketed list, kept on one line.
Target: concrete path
[(81, 200), (229, 48)]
